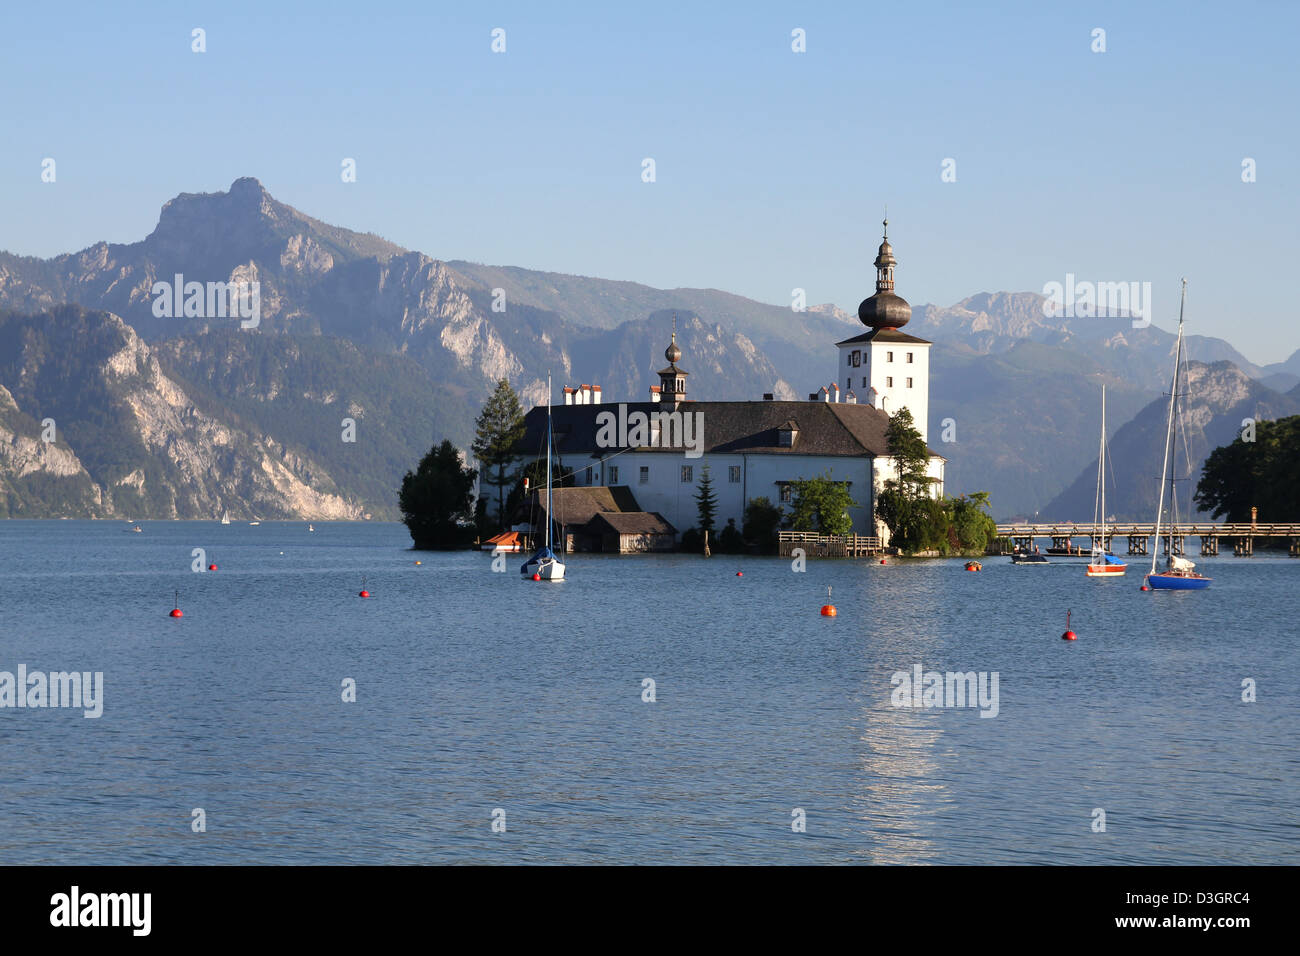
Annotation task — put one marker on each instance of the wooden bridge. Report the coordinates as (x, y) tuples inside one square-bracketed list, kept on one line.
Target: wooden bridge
[(1241, 536)]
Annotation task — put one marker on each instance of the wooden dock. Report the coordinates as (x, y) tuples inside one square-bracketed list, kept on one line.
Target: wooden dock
[(1239, 536), (827, 545)]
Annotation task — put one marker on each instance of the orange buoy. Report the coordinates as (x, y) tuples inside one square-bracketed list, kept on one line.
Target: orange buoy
[(1069, 635), (974, 566), (828, 609), (418, 563)]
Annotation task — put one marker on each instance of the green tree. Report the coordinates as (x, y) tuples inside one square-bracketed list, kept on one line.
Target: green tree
[(762, 519), (730, 540), (1259, 473), (821, 505), (706, 500), (437, 501), (497, 430), (909, 452), (971, 527)]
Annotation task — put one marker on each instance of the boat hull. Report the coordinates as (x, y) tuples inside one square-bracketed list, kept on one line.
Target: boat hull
[(1177, 582), (547, 570), (1106, 570), (1029, 559)]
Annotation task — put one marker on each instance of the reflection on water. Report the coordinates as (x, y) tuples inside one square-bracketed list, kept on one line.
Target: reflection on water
[(900, 790)]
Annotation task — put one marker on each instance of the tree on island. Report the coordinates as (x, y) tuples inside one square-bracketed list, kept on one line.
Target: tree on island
[(916, 520), (762, 519), (706, 501), (1259, 472), (498, 429), (437, 501), (821, 505)]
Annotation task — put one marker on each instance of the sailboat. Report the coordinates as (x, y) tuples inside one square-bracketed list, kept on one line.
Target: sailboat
[(1179, 574), (225, 517), (544, 564), (1102, 564)]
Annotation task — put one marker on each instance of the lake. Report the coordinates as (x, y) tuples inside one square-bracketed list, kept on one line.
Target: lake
[(481, 697)]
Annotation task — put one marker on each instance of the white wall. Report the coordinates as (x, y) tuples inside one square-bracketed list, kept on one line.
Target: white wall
[(876, 370)]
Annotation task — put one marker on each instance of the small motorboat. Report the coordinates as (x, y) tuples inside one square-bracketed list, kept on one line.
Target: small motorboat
[(974, 566), (1020, 556)]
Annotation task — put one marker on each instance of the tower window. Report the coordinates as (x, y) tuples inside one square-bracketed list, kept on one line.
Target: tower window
[(645, 474), (909, 358), (864, 381), (889, 382), (688, 474), (733, 474), (848, 358), (786, 493), (909, 383), (613, 474), (588, 474), (889, 356)]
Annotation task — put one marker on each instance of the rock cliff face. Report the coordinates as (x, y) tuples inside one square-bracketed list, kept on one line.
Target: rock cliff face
[(130, 441)]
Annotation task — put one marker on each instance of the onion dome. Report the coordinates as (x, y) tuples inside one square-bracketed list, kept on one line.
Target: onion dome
[(885, 310)]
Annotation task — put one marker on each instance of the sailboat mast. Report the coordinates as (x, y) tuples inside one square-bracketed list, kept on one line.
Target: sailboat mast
[(548, 460), (1098, 502), (1101, 464), (1169, 429)]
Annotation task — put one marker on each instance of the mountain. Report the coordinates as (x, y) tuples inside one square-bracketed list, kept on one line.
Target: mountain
[(1217, 399), (136, 439), (1020, 386)]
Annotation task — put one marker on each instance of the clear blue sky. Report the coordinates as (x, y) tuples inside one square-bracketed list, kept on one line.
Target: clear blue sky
[(772, 167)]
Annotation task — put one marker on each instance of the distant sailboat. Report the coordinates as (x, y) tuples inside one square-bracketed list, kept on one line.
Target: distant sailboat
[(225, 517), (1102, 564), (544, 563), (311, 527), (1179, 574)]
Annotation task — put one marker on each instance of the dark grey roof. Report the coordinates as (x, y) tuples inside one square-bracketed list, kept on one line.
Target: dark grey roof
[(885, 335), (630, 522), (824, 428), (577, 506)]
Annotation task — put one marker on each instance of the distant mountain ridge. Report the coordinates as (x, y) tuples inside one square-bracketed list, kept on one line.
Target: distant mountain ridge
[(1017, 384)]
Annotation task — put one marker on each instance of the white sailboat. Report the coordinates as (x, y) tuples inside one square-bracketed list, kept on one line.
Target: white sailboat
[(544, 565), (1102, 564), (1179, 574), (225, 517)]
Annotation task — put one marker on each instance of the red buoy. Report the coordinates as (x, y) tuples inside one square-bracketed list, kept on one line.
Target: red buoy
[(740, 574), (882, 560), (828, 609), (176, 612), (363, 593), (176, 605), (1069, 635), (536, 576), (212, 567)]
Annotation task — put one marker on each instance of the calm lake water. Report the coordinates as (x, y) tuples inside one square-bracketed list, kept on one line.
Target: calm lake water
[(478, 691)]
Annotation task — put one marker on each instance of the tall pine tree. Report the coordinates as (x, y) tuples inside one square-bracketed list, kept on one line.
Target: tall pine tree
[(706, 500), (498, 429)]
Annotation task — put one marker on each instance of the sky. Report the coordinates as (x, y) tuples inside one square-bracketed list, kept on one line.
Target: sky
[(772, 168)]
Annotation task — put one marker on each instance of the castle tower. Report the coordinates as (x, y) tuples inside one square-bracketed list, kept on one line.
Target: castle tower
[(884, 365)]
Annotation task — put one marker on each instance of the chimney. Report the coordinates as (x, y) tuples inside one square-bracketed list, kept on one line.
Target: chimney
[(595, 394), (655, 394), (823, 395), (835, 392), (568, 395), (850, 398)]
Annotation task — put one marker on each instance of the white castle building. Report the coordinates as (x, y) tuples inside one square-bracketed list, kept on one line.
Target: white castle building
[(649, 456)]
